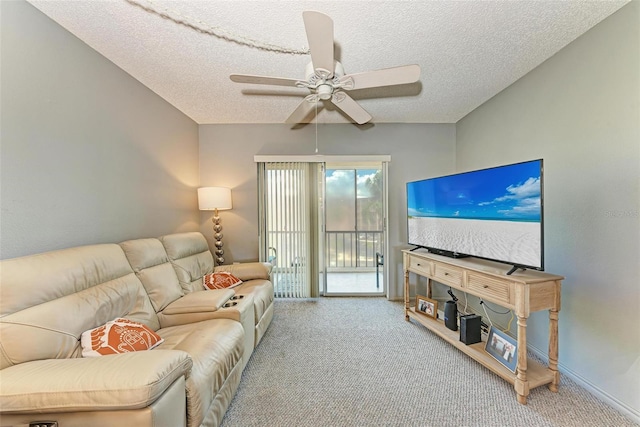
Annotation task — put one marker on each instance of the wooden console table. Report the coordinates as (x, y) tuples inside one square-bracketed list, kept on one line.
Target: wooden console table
[(523, 292)]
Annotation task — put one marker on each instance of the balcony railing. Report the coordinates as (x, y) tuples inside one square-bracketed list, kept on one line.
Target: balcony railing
[(346, 251), (352, 249)]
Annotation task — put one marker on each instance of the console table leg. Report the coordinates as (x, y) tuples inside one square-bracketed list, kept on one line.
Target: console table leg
[(522, 384), (522, 399), (406, 295), (553, 350)]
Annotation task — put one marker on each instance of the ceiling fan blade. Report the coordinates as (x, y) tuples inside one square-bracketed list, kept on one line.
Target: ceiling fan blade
[(263, 80), (384, 77), (302, 114), (320, 36), (351, 108)]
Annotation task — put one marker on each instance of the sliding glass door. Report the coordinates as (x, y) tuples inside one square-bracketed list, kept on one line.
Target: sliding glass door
[(354, 237), (323, 226)]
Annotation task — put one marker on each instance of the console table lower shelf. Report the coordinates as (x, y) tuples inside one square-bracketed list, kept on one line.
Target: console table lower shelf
[(537, 374)]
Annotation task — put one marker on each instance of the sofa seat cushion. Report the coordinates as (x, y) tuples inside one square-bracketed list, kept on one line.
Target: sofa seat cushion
[(116, 382), (216, 347), (262, 291)]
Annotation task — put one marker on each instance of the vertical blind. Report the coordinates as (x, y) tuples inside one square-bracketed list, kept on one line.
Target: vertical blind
[(285, 190)]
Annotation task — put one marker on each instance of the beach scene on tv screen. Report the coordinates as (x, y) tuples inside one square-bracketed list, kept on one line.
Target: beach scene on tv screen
[(493, 213)]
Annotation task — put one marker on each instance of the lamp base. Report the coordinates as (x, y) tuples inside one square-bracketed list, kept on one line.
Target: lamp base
[(217, 235)]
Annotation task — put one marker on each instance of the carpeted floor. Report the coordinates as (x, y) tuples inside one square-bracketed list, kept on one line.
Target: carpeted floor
[(356, 362)]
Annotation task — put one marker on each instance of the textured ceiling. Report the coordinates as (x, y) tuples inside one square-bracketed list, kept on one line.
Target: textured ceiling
[(468, 50)]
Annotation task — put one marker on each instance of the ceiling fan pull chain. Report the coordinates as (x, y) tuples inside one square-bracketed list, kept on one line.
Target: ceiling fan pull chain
[(316, 128)]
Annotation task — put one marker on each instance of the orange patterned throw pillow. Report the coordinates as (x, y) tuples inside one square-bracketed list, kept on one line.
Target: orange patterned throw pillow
[(220, 280), (118, 336)]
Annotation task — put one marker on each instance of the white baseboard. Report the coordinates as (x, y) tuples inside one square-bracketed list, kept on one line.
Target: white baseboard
[(631, 413)]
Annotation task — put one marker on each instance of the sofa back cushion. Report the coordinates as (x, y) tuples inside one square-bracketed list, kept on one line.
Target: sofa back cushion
[(48, 300), (150, 262), (189, 253)]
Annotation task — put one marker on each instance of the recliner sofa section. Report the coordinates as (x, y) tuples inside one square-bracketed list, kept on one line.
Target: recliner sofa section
[(173, 306), (48, 300), (190, 256)]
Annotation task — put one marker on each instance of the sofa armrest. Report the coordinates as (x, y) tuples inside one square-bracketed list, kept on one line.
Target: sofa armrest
[(199, 301), (124, 381), (248, 270), (194, 307)]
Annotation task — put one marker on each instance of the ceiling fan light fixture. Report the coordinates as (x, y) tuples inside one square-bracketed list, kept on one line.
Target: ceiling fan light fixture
[(325, 91)]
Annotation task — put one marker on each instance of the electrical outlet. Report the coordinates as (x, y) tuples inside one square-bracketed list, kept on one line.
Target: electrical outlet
[(484, 328)]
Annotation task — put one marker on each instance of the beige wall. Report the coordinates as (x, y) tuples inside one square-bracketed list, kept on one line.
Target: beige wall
[(88, 154), (579, 111), (226, 159)]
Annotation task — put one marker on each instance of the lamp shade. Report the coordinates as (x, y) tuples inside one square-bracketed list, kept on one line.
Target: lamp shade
[(211, 198)]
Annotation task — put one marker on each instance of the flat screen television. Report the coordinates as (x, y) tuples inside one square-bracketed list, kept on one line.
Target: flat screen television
[(494, 213)]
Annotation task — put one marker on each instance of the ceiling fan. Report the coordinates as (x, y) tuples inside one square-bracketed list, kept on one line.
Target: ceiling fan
[(326, 79)]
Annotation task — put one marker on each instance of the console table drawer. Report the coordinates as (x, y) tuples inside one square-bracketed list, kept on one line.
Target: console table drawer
[(490, 288), (420, 265), (448, 275)]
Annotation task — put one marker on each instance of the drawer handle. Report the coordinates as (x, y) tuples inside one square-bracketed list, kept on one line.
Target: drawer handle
[(419, 264), (446, 274), (485, 286)]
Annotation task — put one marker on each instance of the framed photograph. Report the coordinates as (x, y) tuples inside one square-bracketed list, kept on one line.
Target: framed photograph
[(427, 306), (503, 348)]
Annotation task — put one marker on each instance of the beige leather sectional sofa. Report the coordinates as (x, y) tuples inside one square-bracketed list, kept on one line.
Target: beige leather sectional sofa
[(48, 300)]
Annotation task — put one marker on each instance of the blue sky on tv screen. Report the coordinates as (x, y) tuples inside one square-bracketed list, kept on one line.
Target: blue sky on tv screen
[(509, 193)]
